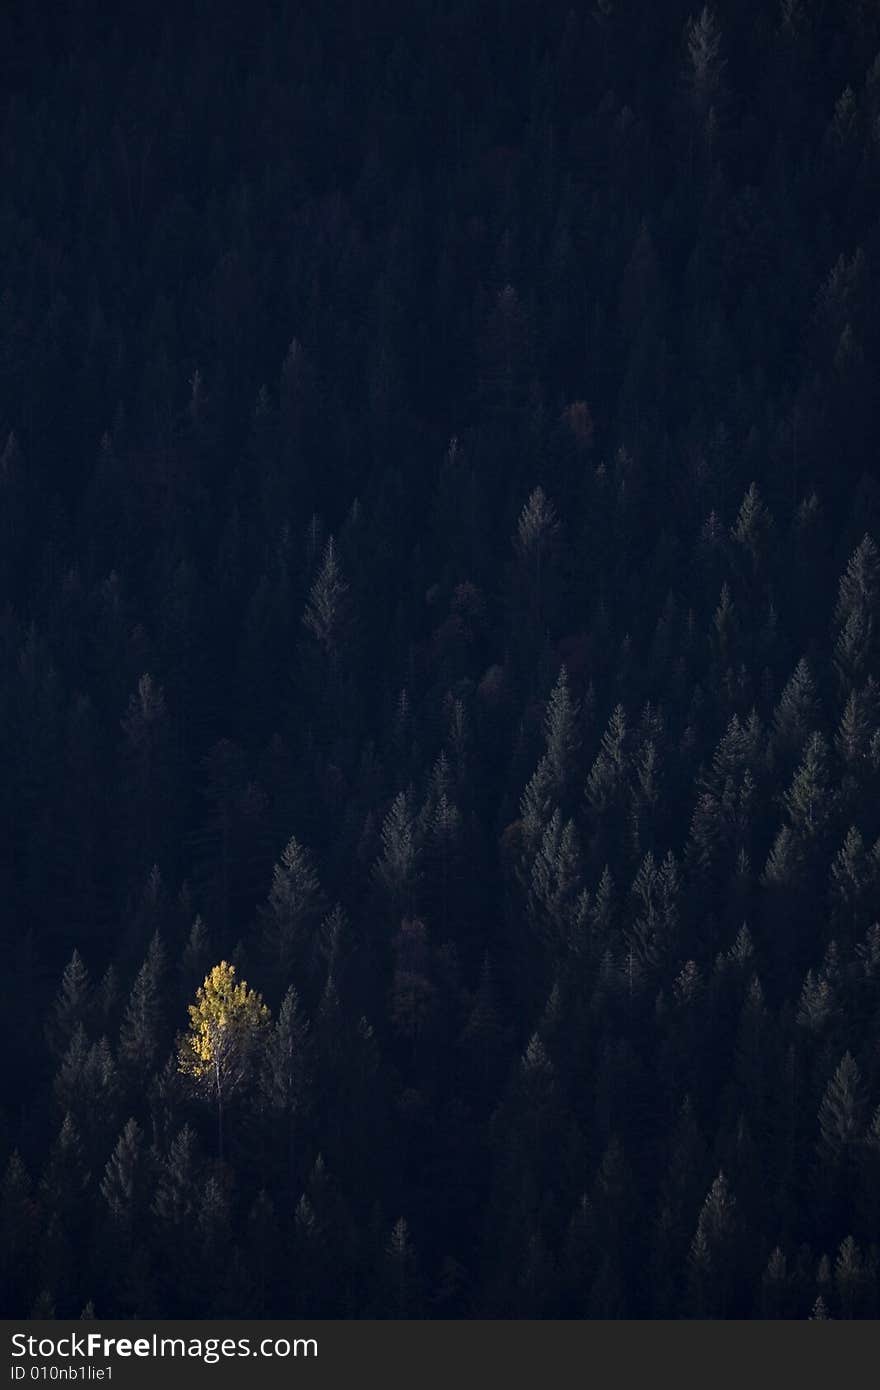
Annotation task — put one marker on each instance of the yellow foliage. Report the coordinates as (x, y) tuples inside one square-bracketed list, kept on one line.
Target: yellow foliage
[(225, 1021)]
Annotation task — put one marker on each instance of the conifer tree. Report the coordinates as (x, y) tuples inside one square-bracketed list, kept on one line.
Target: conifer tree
[(655, 891), (397, 868), (754, 524), (852, 877), (784, 861), (562, 735), (713, 1255), (809, 799), (705, 62), (18, 1227), (850, 1279), (72, 1004), (609, 771), (177, 1186), (139, 1034), (536, 808), (174, 1208), (123, 1183), (285, 1070), (66, 1178), (196, 954), (536, 535), (295, 902), (857, 725), (817, 1005), (557, 904), (857, 614), (213, 1226), (326, 612), (401, 1273), (797, 713), (842, 1112)]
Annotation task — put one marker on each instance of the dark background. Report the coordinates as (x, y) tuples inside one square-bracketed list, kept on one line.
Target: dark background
[(437, 489)]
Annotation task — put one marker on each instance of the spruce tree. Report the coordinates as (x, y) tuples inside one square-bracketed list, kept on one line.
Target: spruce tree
[(123, 1185), (141, 1022), (842, 1113), (295, 902), (397, 868), (857, 614), (326, 613), (797, 712), (72, 1004)]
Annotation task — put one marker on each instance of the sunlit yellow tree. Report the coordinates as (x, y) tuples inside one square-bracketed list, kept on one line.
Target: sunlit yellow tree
[(227, 1022)]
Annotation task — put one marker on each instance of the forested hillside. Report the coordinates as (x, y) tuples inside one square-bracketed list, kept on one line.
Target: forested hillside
[(440, 577)]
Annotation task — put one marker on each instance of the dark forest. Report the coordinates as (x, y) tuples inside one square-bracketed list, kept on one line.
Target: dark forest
[(440, 659)]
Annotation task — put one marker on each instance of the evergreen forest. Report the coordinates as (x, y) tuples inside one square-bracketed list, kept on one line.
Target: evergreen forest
[(440, 659)]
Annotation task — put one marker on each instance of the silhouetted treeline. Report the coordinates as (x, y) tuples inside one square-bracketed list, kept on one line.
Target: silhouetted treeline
[(439, 574)]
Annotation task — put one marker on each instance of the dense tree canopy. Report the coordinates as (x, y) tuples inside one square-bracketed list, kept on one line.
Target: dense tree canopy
[(439, 579)]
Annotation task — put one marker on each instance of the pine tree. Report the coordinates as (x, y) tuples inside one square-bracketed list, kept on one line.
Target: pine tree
[(326, 613), (754, 524), (19, 1217), (850, 1279), (295, 902), (536, 808), (140, 1030), (107, 995), (196, 954), (66, 1178), (859, 588), (602, 914), (751, 1052), (645, 798), (72, 1004), (578, 1255), (725, 628), (857, 615), (401, 1273), (705, 63), (713, 1255), (71, 1079), (285, 1071), (776, 1292), (440, 829), (797, 714), (784, 862), (562, 734), (842, 1113), (609, 771), (175, 1207), (852, 877), (817, 1006), (397, 868), (535, 541), (809, 800), (557, 904), (176, 1197), (857, 725), (212, 1224), (123, 1184), (655, 890)]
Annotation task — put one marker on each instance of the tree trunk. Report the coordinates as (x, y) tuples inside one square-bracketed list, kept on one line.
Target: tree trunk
[(219, 1118)]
